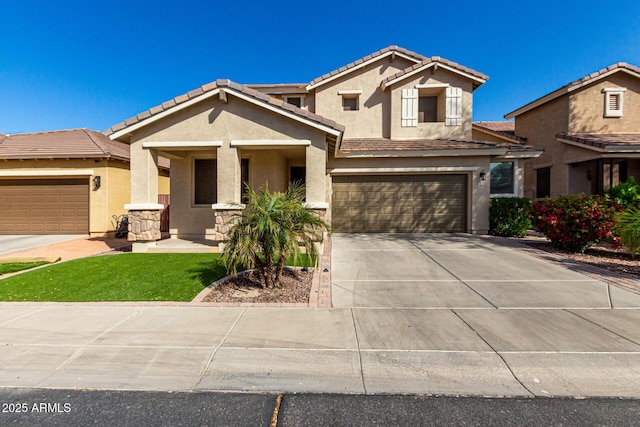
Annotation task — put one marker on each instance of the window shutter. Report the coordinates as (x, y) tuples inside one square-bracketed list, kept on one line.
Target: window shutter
[(453, 106), (409, 107)]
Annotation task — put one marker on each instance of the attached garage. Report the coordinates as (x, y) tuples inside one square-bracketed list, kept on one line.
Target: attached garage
[(44, 206), (400, 203)]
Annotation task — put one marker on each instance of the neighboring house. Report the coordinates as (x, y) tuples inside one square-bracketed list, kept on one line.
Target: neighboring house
[(64, 182), (383, 144), (589, 130)]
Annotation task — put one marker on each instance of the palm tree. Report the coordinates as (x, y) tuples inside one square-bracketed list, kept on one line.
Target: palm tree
[(272, 228)]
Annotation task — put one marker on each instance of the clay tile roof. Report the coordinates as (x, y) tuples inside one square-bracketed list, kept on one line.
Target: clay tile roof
[(224, 83), (355, 145), (439, 60), (66, 144), (416, 56), (503, 129), (618, 66), (609, 141), (73, 143)]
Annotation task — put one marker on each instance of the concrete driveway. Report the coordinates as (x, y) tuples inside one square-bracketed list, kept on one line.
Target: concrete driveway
[(18, 243), (457, 271)]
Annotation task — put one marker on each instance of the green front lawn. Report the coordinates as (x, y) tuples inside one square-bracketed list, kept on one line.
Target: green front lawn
[(125, 277), (19, 266)]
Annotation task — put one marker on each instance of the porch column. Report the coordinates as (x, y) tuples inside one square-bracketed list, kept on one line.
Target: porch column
[(316, 166), (144, 210), (228, 190)]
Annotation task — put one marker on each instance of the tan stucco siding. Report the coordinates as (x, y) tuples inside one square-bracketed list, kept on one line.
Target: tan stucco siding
[(372, 118), (437, 129), (163, 183), (478, 202), (540, 126), (587, 107)]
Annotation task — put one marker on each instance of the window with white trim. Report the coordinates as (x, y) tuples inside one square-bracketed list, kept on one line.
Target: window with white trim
[(431, 104), (350, 99), (613, 102)]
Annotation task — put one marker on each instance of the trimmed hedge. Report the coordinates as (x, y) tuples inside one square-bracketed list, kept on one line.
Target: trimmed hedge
[(509, 217)]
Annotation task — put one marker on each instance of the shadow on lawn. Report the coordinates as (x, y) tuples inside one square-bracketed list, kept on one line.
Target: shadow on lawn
[(208, 272)]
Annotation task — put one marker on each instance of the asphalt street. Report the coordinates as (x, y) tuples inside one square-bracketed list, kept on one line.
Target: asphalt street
[(22, 407)]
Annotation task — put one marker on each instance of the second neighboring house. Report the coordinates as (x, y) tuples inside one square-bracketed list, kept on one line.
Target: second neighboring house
[(589, 130), (65, 182), (383, 144)]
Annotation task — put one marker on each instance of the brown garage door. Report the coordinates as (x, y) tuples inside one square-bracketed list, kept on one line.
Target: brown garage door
[(399, 204), (44, 206)]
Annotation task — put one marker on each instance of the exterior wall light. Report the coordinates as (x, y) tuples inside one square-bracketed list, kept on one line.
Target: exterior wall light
[(483, 176), (96, 181)]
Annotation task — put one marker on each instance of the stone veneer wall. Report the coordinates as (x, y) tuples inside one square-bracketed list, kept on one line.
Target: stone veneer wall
[(224, 222), (144, 226)]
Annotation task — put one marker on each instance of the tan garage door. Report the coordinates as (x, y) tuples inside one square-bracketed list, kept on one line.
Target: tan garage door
[(44, 206), (399, 204)]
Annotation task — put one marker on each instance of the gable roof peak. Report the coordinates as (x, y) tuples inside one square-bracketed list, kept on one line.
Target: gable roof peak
[(359, 63), (577, 84)]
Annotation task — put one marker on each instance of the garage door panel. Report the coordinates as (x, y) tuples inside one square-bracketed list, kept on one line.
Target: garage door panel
[(399, 203), (44, 206)]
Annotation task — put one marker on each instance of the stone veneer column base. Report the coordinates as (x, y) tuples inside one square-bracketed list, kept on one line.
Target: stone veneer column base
[(144, 229), (225, 216)]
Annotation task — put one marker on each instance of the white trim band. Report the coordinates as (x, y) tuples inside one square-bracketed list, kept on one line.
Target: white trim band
[(144, 207), (383, 171), (47, 172), (182, 144), (228, 206), (350, 92), (270, 143)]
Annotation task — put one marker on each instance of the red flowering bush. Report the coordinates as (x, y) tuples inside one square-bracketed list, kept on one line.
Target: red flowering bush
[(574, 222)]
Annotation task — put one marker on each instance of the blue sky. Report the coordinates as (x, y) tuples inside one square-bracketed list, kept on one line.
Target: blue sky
[(92, 64)]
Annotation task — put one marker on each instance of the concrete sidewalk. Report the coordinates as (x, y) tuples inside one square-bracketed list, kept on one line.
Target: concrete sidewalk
[(487, 352), (425, 314)]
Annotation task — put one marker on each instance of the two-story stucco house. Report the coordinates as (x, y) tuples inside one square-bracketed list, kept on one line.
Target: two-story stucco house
[(382, 144), (589, 130)]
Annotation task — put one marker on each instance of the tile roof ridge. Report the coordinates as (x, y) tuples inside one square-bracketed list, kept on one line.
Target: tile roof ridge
[(89, 132)]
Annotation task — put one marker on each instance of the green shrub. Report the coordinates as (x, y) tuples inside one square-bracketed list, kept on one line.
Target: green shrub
[(628, 229), (574, 222), (626, 193), (509, 216)]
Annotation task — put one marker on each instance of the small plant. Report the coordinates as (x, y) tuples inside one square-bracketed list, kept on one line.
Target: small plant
[(626, 193), (628, 229), (509, 217), (574, 222), (271, 229)]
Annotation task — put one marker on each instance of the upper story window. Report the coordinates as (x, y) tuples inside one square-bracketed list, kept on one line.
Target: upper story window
[(427, 109), (432, 103), (613, 101), (350, 99), (298, 101)]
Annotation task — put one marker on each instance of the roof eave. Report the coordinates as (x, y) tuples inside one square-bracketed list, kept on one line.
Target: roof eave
[(460, 152)]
